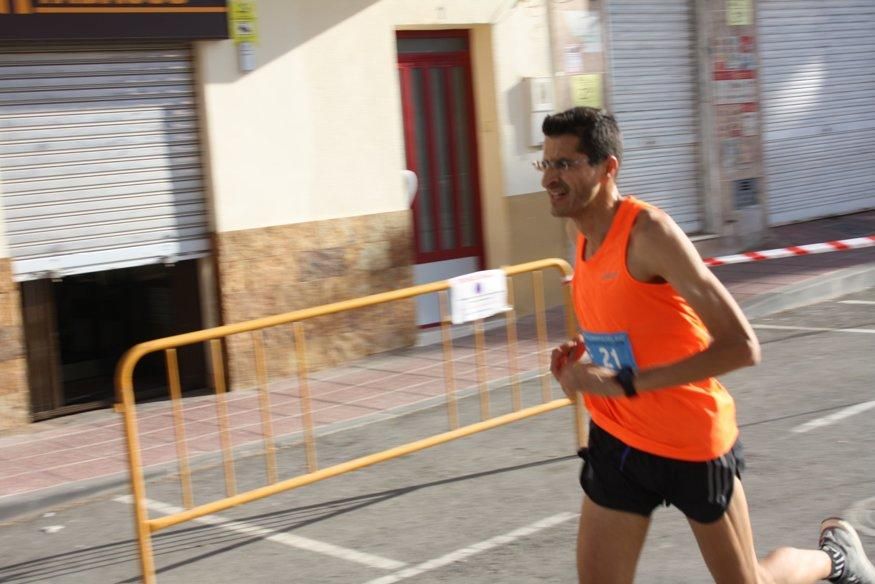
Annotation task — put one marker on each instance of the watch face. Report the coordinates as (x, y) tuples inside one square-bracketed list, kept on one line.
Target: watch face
[(626, 378)]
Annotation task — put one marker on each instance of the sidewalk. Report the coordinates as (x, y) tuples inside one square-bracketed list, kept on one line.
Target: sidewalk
[(60, 460)]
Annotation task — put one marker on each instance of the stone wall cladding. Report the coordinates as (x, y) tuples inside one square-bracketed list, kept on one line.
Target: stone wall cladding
[(263, 272), (14, 400)]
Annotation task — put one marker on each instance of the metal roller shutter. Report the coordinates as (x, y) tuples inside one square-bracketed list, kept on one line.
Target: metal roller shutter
[(99, 158), (654, 76), (818, 83)]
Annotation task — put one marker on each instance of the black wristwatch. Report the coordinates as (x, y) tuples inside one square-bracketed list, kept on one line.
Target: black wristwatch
[(626, 378)]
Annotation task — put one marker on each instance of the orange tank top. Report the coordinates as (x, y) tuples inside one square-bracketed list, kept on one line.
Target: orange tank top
[(627, 322)]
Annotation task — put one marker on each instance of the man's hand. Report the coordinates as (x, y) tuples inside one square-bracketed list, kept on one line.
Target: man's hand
[(565, 354), (589, 378), (576, 377), (563, 357)]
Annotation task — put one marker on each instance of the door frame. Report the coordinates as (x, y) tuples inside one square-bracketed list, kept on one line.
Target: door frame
[(444, 60)]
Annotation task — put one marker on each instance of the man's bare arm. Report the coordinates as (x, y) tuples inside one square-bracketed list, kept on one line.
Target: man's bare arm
[(659, 250)]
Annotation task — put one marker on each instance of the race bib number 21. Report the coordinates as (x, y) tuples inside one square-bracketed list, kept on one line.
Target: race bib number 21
[(611, 350)]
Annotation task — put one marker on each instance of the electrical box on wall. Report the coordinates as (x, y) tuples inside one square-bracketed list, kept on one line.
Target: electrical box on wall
[(541, 103)]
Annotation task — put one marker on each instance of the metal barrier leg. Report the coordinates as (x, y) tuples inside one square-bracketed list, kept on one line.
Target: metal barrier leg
[(222, 417), (449, 374), (306, 411), (510, 322), (538, 285), (179, 427), (138, 487), (264, 406), (571, 332), (480, 358)]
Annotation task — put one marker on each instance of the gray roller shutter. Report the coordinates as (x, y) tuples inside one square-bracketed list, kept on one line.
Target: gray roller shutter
[(818, 95), (653, 72), (99, 158)]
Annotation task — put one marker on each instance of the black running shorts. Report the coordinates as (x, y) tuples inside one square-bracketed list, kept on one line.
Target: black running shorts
[(623, 478)]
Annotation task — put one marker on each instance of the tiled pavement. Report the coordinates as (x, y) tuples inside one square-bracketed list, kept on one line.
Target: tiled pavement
[(59, 459)]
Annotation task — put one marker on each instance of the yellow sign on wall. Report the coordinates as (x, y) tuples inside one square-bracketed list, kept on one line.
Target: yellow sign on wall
[(586, 90), (242, 21), (738, 12)]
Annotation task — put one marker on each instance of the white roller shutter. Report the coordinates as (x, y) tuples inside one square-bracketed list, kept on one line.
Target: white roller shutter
[(818, 95), (99, 158), (654, 75)]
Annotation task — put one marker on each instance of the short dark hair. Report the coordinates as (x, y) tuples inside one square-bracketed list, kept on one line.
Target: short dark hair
[(597, 131)]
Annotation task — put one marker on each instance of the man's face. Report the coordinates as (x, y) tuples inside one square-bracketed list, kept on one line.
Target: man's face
[(571, 189)]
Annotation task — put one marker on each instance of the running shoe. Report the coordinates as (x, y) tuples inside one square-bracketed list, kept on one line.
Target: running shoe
[(840, 541)]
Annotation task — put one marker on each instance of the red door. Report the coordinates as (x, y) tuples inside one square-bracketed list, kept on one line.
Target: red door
[(439, 132)]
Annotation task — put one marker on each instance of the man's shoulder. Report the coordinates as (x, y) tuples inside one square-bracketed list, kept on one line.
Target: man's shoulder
[(653, 224), (656, 243)]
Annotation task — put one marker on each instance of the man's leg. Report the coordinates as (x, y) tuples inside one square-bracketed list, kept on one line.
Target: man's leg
[(608, 544), (728, 550)]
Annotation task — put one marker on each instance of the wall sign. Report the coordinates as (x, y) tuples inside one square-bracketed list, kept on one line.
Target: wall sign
[(113, 19), (478, 295), (242, 23), (739, 12), (586, 90), (243, 28)]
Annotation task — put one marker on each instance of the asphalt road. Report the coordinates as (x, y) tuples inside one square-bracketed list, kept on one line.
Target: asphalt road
[(499, 506)]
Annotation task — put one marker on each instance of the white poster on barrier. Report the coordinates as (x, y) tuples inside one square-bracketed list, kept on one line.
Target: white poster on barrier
[(478, 295)]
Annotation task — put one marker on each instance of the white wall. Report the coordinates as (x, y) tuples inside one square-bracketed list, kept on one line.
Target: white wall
[(315, 131), (449, 13), (521, 48)]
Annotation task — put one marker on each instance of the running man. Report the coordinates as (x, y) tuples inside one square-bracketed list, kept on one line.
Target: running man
[(658, 327)]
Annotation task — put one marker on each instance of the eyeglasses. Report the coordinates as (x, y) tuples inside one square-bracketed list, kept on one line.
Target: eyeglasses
[(561, 165)]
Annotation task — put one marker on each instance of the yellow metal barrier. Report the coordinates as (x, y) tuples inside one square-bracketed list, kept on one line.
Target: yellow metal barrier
[(125, 393)]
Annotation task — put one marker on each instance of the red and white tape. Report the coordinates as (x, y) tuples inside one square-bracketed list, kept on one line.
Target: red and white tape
[(796, 250)]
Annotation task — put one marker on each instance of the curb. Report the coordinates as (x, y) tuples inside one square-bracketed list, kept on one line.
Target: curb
[(24, 505), (816, 289)]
